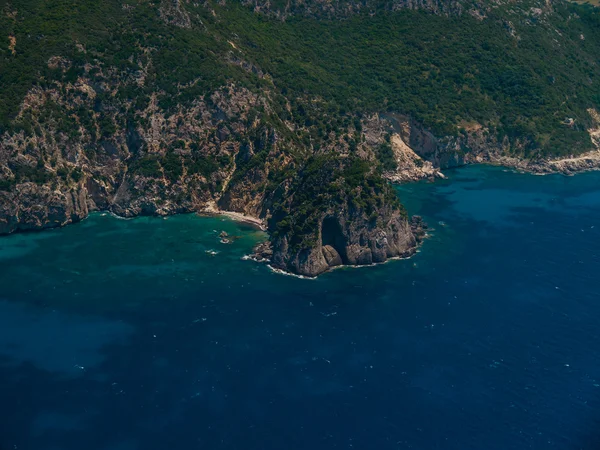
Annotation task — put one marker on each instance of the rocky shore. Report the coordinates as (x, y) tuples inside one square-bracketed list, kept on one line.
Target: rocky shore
[(400, 240), (566, 166), (33, 207)]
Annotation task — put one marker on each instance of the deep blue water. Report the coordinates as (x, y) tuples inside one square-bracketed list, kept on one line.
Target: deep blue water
[(127, 334)]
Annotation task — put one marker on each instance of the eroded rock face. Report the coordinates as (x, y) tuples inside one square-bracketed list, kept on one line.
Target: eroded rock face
[(347, 237), (158, 167), (32, 207), (332, 257), (91, 141), (124, 172), (421, 155)]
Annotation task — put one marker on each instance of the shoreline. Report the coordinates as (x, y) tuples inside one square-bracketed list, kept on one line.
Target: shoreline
[(331, 269), (414, 251), (586, 162), (236, 216)]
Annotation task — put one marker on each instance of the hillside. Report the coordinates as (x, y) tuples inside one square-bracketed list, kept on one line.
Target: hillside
[(292, 112)]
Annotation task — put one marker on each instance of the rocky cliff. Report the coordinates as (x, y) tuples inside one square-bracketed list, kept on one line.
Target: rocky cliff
[(421, 155), (347, 238), (33, 207)]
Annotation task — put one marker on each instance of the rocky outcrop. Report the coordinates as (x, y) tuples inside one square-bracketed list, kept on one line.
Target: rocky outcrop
[(398, 133), (33, 207), (263, 252), (479, 145), (567, 166), (217, 155), (420, 154), (347, 237), (418, 227), (411, 167), (166, 164)]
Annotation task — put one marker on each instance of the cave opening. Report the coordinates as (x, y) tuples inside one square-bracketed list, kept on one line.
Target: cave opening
[(332, 235)]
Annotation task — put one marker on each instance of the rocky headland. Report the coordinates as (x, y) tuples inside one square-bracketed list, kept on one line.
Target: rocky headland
[(169, 106)]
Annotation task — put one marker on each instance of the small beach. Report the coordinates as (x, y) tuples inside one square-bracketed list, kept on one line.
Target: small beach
[(124, 334)]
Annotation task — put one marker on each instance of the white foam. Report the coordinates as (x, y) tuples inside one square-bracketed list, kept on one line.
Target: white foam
[(289, 274)]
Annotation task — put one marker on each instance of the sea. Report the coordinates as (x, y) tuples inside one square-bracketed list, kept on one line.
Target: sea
[(152, 334)]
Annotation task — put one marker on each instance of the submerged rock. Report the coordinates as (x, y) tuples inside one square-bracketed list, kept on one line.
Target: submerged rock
[(262, 252), (418, 227)]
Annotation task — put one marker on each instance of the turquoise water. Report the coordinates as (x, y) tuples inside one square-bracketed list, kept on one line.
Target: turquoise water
[(129, 334)]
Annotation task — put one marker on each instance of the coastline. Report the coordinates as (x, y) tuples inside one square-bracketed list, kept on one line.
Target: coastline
[(586, 162), (331, 269), (407, 255)]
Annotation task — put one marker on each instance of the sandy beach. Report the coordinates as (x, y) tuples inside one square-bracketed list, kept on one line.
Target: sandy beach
[(237, 216)]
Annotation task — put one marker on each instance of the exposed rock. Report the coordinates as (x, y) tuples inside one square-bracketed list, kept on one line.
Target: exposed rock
[(173, 13), (477, 144), (96, 135), (32, 207), (262, 252), (332, 257), (411, 167), (347, 237), (418, 227), (395, 131), (12, 44)]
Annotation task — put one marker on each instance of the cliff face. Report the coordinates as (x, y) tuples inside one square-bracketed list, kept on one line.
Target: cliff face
[(34, 207), (421, 155), (347, 237), (167, 163)]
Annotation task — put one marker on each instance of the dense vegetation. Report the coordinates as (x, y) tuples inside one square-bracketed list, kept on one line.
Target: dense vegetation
[(443, 71)]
